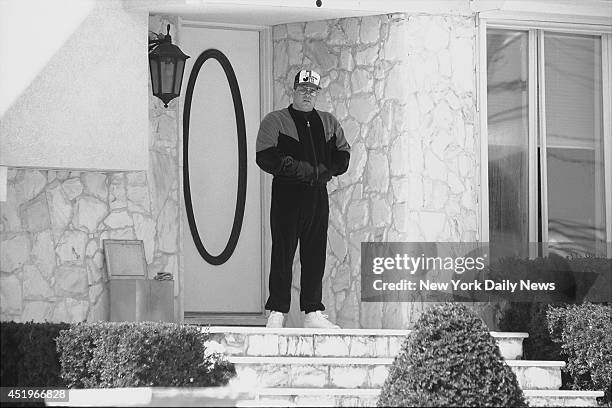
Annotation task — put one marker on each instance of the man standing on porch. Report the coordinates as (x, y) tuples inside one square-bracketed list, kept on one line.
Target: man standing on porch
[(303, 149)]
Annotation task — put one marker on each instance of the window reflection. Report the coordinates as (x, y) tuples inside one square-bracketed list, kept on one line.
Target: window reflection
[(508, 121), (574, 192), (574, 152)]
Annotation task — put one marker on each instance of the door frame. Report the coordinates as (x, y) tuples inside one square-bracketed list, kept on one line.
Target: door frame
[(266, 104)]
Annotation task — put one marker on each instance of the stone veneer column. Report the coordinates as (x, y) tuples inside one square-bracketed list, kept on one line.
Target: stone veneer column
[(53, 223), (403, 88)]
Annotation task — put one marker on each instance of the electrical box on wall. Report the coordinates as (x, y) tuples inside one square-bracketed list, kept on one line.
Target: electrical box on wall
[(134, 297), (140, 300)]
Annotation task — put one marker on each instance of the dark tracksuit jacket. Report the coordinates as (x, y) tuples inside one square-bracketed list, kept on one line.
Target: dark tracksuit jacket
[(300, 207)]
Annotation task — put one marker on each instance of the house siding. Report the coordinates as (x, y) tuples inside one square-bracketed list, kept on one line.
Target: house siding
[(53, 223), (404, 89)]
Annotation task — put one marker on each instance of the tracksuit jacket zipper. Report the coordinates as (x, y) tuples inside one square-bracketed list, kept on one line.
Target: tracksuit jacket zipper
[(314, 152)]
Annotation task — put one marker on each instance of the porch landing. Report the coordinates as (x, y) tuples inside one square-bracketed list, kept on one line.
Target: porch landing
[(348, 367), (262, 341)]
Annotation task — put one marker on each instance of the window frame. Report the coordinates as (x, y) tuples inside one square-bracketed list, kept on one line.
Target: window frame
[(536, 116)]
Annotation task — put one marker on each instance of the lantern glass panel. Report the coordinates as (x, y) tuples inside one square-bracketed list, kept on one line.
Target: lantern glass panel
[(167, 69), (180, 66), (154, 65)]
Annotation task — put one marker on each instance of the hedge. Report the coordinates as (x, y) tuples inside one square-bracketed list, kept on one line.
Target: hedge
[(103, 355), (108, 355), (450, 359), (29, 354), (584, 333), (530, 317)]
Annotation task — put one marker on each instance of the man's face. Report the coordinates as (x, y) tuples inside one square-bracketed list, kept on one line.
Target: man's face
[(304, 98)]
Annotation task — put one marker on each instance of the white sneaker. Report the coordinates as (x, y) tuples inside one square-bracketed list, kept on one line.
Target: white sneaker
[(318, 320), (275, 320)]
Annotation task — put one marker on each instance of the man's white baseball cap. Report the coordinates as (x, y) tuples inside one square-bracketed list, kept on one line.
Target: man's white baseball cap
[(307, 78)]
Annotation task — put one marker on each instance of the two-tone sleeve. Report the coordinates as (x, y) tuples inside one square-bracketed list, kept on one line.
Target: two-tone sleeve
[(341, 154), (267, 155)]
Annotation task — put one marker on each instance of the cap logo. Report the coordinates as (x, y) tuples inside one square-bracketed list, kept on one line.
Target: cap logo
[(308, 77)]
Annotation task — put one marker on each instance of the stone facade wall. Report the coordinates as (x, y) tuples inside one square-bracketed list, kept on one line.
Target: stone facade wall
[(53, 223), (403, 87)]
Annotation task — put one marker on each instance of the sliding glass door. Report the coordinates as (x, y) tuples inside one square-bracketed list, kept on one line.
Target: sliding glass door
[(546, 147)]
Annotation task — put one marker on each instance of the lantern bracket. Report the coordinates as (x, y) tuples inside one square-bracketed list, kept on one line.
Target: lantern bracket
[(160, 39)]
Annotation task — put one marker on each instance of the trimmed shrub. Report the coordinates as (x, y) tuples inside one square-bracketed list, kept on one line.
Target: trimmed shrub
[(29, 354), (585, 335), (531, 318), (104, 355), (450, 359), (9, 342), (220, 369), (76, 350)]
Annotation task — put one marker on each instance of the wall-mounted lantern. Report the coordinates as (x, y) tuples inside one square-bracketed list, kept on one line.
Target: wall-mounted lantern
[(167, 64)]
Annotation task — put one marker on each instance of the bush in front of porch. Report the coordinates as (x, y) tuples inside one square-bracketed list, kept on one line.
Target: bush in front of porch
[(585, 335), (145, 354), (450, 359), (581, 335), (29, 354), (107, 354)]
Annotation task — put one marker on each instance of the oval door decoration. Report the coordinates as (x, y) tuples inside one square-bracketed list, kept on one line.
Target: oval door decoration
[(242, 157)]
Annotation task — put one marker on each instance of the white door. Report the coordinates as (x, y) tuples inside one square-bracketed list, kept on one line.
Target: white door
[(232, 292)]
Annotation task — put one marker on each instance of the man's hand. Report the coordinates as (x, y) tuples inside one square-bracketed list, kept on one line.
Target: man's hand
[(324, 173), (304, 171)]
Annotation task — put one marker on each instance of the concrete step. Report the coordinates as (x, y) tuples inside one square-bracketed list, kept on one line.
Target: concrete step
[(364, 372), (334, 397), (562, 398), (299, 342)]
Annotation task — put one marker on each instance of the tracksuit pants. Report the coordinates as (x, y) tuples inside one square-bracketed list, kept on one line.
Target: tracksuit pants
[(298, 213)]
